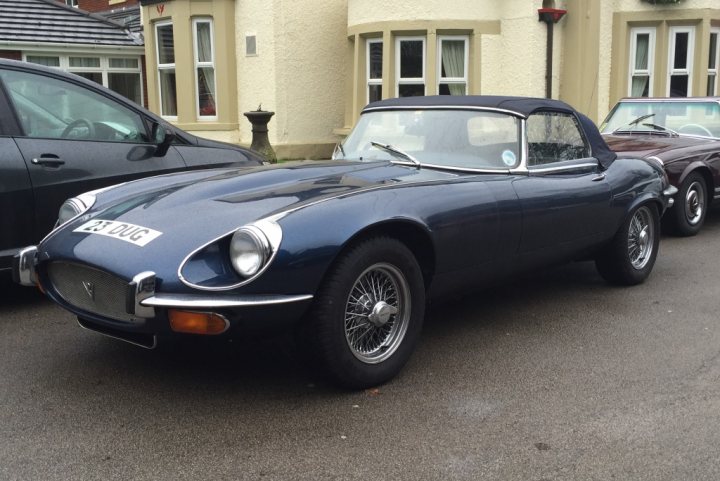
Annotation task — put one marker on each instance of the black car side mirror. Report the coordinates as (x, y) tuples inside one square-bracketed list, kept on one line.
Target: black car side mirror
[(163, 136)]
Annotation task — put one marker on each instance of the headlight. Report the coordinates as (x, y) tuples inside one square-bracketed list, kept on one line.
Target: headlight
[(249, 250), (75, 206)]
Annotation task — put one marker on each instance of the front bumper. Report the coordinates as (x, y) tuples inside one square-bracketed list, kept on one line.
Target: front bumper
[(136, 312)]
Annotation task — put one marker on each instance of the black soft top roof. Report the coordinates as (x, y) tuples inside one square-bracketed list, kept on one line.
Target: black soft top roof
[(523, 106)]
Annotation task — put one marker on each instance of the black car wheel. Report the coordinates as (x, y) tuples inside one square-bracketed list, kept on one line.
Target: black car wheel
[(630, 257), (367, 315), (688, 215)]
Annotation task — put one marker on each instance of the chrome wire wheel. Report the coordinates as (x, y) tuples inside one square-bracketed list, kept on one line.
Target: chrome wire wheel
[(694, 203), (377, 313), (641, 238)]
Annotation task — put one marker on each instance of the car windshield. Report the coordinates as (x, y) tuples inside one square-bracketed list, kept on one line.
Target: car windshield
[(701, 118), (466, 139)]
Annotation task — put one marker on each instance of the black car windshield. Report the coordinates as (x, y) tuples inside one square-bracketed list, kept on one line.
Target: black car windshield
[(685, 117), (466, 139)]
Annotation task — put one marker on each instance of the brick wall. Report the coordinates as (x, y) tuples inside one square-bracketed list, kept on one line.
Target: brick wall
[(11, 54), (101, 5)]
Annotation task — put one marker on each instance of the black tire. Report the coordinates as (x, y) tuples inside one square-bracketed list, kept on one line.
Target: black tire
[(357, 341), (687, 216), (630, 256)]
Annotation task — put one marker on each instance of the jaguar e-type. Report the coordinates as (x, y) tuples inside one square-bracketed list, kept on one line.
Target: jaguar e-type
[(427, 196)]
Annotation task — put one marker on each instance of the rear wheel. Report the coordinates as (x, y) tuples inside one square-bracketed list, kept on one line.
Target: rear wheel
[(688, 215), (631, 255), (367, 316)]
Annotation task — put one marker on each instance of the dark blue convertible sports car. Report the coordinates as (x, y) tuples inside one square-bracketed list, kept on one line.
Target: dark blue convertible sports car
[(427, 196)]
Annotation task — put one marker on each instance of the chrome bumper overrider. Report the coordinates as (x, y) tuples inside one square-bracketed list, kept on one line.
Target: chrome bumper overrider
[(24, 266), (669, 193)]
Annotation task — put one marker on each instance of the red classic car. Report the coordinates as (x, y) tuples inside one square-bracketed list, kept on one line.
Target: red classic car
[(684, 135)]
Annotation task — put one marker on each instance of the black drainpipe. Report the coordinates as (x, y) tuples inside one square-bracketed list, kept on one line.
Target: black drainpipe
[(550, 16)]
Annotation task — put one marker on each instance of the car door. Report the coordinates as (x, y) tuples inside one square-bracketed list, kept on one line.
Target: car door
[(73, 139), (564, 198)]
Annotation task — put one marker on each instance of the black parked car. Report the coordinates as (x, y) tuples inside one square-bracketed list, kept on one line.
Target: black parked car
[(61, 135), (427, 196)]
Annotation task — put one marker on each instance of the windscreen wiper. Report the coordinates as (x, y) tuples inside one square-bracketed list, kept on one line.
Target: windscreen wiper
[(634, 122), (396, 152)]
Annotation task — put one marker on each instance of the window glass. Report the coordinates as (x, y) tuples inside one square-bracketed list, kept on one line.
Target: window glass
[(92, 62), (713, 64), (126, 84), (94, 76), (205, 69), (554, 137), (44, 60), (411, 59), (128, 63), (375, 49), (642, 52), (374, 70), (410, 67), (452, 138), (52, 108), (453, 60), (166, 44), (166, 69), (680, 61)]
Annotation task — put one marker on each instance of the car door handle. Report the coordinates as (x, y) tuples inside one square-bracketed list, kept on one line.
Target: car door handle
[(48, 161), (599, 178)]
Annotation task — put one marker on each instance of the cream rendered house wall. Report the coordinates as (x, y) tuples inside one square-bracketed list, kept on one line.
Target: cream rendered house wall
[(512, 62), (299, 71)]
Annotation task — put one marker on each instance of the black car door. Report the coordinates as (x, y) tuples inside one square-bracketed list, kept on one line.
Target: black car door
[(75, 139), (565, 199)]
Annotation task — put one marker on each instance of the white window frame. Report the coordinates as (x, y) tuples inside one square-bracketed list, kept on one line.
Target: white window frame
[(72, 3), (104, 67), (650, 71), (164, 66), (372, 81), (671, 57), (466, 60), (410, 80), (199, 65), (714, 71)]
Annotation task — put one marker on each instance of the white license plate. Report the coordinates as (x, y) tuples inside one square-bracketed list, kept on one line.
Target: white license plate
[(134, 234)]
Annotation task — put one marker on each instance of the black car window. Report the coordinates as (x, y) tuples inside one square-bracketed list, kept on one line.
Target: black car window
[(554, 137), (56, 109)]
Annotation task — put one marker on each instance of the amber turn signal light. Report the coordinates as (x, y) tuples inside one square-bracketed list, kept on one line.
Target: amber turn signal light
[(207, 323)]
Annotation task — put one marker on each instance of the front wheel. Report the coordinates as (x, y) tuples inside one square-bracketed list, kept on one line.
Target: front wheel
[(630, 257), (367, 316), (688, 215)]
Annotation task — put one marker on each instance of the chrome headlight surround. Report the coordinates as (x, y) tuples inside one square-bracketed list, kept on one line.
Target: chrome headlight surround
[(259, 241), (78, 205), (74, 207)]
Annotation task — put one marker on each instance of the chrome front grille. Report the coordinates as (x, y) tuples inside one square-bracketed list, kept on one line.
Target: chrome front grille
[(91, 290)]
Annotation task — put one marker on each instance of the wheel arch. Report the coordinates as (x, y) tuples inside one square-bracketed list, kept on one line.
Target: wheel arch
[(646, 198), (414, 236), (704, 171)]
